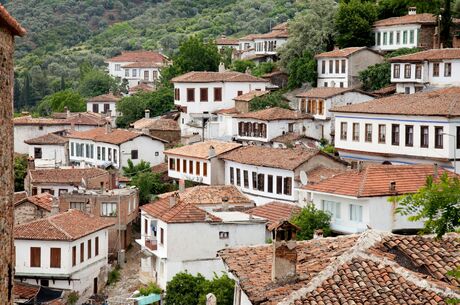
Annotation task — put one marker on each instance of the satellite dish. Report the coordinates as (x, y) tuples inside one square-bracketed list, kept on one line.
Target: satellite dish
[(303, 178)]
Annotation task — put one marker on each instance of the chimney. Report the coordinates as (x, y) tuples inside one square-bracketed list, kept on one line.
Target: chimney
[(248, 70), (211, 299), (31, 163), (317, 234), (102, 187), (435, 170), (412, 10), (108, 128), (54, 206), (221, 67), (181, 185), (211, 152), (146, 131), (72, 126), (173, 199), (360, 166), (392, 186), (225, 203), (147, 113), (284, 252), (67, 112)]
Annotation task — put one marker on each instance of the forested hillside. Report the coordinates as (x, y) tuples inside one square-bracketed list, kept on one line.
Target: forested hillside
[(65, 34)]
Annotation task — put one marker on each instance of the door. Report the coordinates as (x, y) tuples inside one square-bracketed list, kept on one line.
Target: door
[(95, 290)]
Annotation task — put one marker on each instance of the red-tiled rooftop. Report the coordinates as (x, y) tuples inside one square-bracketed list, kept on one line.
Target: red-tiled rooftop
[(341, 52), (48, 139), (225, 41), (274, 114), (275, 211), (429, 55), (142, 87), (424, 18), (67, 226), (144, 64), (139, 56), (201, 150), (374, 180), (80, 118), (212, 77), (247, 97), (7, 20), (65, 175), (157, 124), (109, 97), (115, 136), (443, 102), (43, 200), (327, 92)]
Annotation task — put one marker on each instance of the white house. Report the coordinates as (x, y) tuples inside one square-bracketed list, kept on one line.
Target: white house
[(272, 174), (426, 70), (226, 42), (61, 254), (340, 68), (105, 104), (184, 231), (199, 94), (402, 129), (199, 162), (50, 150), (27, 127), (105, 146), (317, 102), (362, 198), (261, 127), (137, 67)]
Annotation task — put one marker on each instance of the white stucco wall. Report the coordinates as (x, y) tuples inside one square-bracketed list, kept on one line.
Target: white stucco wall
[(187, 175), (52, 155), (394, 29)]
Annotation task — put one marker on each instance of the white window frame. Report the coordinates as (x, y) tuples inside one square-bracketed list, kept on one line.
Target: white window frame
[(332, 207), (109, 209), (356, 213)]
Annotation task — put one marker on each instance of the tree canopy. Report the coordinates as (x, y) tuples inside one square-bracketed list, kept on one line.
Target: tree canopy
[(57, 102), (268, 101), (96, 82), (310, 219)]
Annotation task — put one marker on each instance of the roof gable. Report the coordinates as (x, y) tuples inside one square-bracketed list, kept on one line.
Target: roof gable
[(212, 77), (201, 150), (113, 136)]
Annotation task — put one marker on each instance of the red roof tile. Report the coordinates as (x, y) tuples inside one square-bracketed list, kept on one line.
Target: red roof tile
[(200, 150), (274, 114), (341, 52), (157, 124), (67, 226), (142, 87), (374, 180), (115, 136), (43, 200), (110, 97), (247, 97), (48, 139), (321, 173), (429, 55), (144, 64), (328, 92), (65, 175), (24, 290), (19, 196), (80, 118), (225, 41), (425, 18), (139, 56), (275, 211), (7, 20), (212, 77)]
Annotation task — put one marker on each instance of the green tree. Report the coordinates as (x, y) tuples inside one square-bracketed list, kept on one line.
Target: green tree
[(394, 8), (310, 219), (148, 184), (133, 107), (446, 24), (96, 82), (263, 68), (354, 22), (57, 101), (132, 170), (437, 204), (241, 65), (197, 55), (268, 101), (222, 287), (184, 289), (20, 171), (302, 70)]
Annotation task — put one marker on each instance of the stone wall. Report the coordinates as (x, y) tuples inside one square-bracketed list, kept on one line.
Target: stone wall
[(27, 212), (6, 166)]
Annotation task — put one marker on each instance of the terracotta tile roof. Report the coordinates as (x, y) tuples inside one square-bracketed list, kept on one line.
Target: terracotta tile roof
[(425, 18), (247, 97), (10, 22), (280, 27), (141, 87), (200, 150), (80, 118), (67, 226), (116, 136), (28, 120), (284, 158), (352, 268), (48, 139), (19, 196), (277, 72), (139, 56), (321, 173), (328, 92), (341, 52), (65, 175), (227, 111), (156, 124), (442, 102), (273, 34), (227, 41), (374, 180), (385, 91), (161, 168), (144, 64), (249, 37), (429, 55), (274, 114), (275, 211), (212, 77), (43, 200), (293, 137), (110, 97), (24, 291)]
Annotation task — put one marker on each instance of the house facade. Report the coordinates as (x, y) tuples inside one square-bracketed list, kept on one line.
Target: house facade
[(429, 69), (401, 129), (33, 207), (208, 224), (103, 147), (318, 102), (50, 150), (199, 162), (105, 104), (199, 94), (58, 254), (340, 68), (268, 174), (137, 67)]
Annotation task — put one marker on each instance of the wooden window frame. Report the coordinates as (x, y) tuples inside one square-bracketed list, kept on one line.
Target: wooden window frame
[(395, 135), (74, 256), (439, 137), (218, 94), (424, 143), (382, 136), (55, 258), (203, 94), (96, 246), (205, 169), (82, 252), (35, 257), (190, 95)]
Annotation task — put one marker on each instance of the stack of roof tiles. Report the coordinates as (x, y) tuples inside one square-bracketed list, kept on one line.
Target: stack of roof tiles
[(274, 114), (65, 175)]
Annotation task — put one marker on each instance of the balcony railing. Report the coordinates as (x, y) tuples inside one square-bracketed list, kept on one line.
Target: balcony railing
[(151, 243)]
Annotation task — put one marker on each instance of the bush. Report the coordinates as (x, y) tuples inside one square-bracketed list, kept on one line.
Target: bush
[(114, 276), (310, 219), (151, 288), (72, 298)]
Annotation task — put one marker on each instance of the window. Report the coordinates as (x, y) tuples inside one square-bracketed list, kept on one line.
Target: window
[(355, 131), (109, 154), (391, 38), (87, 149), (35, 257), (184, 166), (337, 66), (126, 72), (343, 131), (320, 107), (344, 66), (245, 178), (323, 66), (74, 255), (407, 90), (190, 95), (279, 185), (239, 93), (103, 153), (177, 94), (411, 37), (291, 127), (217, 94), (155, 75), (356, 213), (379, 36), (190, 167), (396, 70), (82, 252), (436, 69), (287, 186), (341, 84), (438, 137), (238, 177), (260, 182), (394, 134), (404, 37), (117, 67), (332, 208), (447, 69), (409, 135), (398, 37), (232, 175), (270, 183), (385, 38), (205, 169), (172, 163), (89, 249), (223, 235), (331, 66), (134, 154), (325, 84), (96, 246), (55, 257), (254, 180), (203, 94), (424, 136), (162, 236), (458, 137), (78, 206), (146, 75), (37, 153), (418, 71), (72, 149), (91, 151), (178, 165), (407, 70), (109, 209), (197, 168), (382, 134), (368, 128), (134, 72)]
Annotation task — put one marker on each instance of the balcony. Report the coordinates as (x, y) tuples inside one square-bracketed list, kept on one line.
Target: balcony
[(151, 243)]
